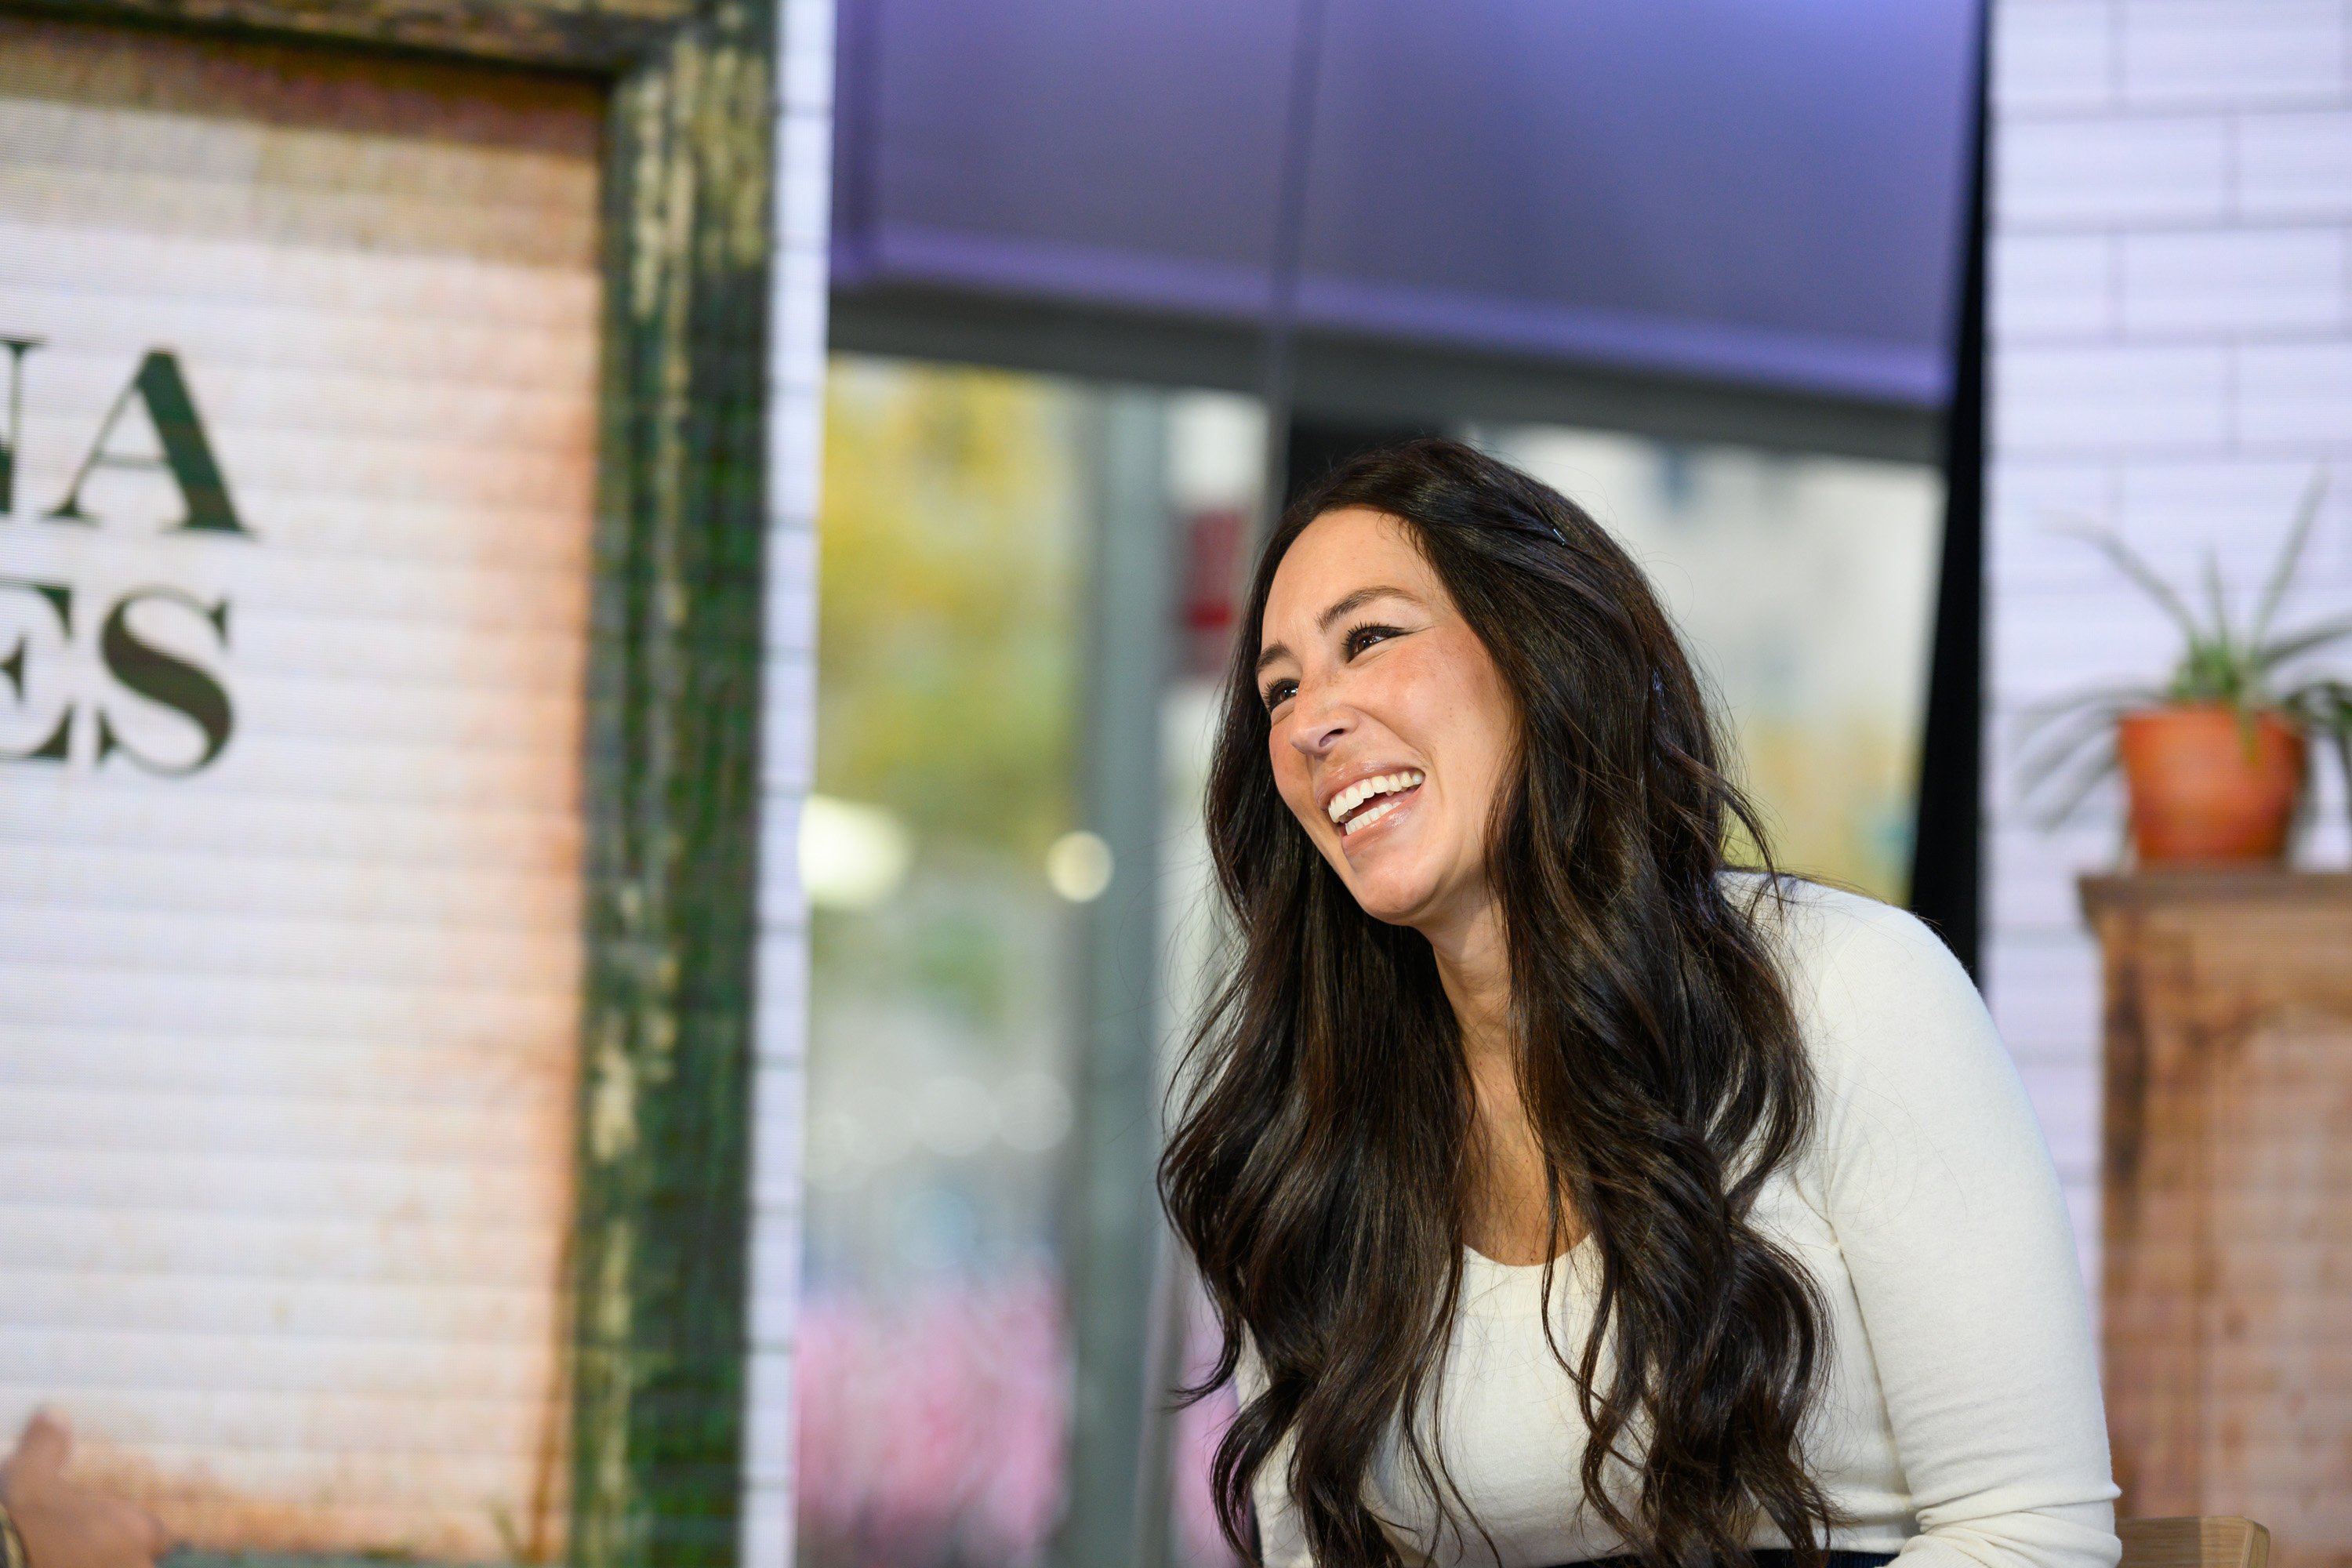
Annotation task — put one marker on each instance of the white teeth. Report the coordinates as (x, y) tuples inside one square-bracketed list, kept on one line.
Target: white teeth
[(1358, 823), (1362, 790)]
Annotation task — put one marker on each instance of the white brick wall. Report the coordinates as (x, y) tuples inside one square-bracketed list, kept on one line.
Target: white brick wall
[(804, 204), (2171, 353)]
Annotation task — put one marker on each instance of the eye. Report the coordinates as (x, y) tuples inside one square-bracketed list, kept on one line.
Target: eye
[(1362, 638), (1279, 693)]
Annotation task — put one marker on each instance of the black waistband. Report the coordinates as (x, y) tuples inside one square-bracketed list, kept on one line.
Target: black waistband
[(1765, 1557)]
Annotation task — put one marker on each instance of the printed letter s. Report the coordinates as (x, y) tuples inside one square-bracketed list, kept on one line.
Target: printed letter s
[(165, 678)]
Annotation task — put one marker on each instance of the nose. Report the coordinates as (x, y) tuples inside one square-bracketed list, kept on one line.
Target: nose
[(1317, 725)]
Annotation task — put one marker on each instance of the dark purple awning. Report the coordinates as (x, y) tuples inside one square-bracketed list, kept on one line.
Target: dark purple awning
[(1761, 191)]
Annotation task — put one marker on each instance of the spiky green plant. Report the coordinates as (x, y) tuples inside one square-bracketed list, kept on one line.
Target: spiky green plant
[(2067, 745)]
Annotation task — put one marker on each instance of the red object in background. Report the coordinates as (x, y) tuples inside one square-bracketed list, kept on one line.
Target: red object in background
[(1212, 544), (2204, 788)]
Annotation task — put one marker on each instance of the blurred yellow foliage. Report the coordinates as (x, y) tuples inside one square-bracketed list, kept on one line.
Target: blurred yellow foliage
[(950, 540), (1837, 792)]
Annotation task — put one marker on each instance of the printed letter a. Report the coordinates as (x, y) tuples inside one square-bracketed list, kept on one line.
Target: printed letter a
[(187, 455)]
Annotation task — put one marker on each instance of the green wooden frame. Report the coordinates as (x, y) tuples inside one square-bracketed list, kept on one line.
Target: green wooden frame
[(660, 1244)]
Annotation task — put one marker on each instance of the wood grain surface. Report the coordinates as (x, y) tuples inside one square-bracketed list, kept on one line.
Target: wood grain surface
[(600, 36), (2228, 1199)]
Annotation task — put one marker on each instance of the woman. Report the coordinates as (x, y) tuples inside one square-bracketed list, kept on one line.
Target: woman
[(1563, 1195)]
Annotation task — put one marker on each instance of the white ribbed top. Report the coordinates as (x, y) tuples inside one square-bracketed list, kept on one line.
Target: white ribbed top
[(1960, 1424)]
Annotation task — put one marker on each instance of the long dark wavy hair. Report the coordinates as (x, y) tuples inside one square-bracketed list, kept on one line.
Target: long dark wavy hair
[(1321, 1170)]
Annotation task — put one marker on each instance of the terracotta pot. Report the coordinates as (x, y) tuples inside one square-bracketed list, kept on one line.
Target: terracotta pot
[(2199, 792)]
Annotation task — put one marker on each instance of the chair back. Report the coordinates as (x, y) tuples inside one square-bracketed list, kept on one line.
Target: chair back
[(2198, 1541)]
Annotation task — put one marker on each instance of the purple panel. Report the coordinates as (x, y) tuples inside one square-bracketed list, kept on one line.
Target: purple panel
[(1144, 127), (1760, 192)]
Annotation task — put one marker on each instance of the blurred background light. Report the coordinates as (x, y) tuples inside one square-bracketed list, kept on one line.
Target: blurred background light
[(1033, 1112), (1078, 867), (853, 857), (954, 1116)]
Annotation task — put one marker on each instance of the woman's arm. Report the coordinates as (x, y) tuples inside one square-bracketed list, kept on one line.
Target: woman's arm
[(1934, 1174)]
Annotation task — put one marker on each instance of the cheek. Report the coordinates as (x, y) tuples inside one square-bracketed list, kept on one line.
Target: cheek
[(1463, 717), (1290, 779), (1497, 728)]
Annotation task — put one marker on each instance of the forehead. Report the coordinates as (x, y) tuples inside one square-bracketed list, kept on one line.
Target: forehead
[(1338, 553)]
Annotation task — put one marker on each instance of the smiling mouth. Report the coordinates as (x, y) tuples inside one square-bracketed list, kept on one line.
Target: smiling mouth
[(1367, 801)]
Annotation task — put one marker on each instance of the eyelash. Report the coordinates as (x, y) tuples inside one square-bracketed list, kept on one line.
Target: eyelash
[(1351, 645)]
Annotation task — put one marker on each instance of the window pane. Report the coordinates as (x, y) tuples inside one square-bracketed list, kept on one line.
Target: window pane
[(1805, 587), (933, 1370)]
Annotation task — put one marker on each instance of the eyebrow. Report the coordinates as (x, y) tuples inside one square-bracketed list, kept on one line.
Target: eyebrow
[(1353, 602)]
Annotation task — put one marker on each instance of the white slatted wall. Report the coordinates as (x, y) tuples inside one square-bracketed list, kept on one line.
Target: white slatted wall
[(796, 409), (2172, 332), (287, 1038)]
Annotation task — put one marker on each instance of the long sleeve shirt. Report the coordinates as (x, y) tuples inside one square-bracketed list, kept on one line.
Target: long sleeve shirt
[(1961, 1423)]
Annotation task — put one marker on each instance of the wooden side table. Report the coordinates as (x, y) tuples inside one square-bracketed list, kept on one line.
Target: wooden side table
[(2226, 1179)]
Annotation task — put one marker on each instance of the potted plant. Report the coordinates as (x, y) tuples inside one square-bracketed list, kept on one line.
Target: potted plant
[(2213, 760)]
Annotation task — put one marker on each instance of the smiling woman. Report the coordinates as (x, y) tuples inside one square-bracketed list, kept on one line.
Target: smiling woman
[(1339, 649), (1564, 1192)]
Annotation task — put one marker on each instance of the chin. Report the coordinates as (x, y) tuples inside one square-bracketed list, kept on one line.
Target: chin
[(1392, 899)]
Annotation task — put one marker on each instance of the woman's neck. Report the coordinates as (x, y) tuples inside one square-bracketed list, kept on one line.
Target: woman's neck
[(1474, 966), (1510, 1219)]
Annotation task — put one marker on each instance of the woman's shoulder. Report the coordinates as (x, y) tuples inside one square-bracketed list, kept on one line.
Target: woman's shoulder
[(1865, 977), (1817, 925), (1916, 1091)]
